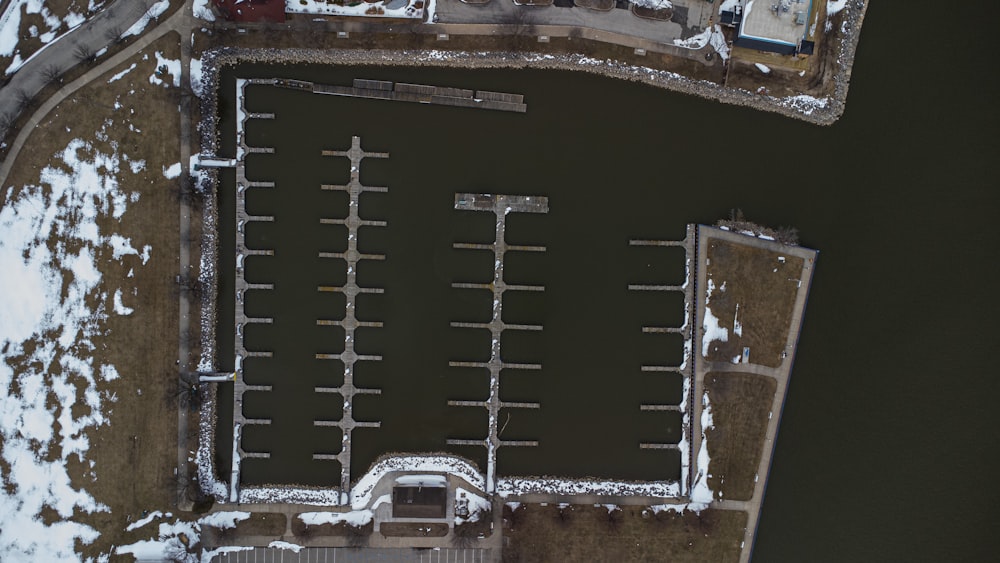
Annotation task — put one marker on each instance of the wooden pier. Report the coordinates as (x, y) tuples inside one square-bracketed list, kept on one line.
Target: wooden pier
[(500, 205), (686, 369), (415, 93), (350, 322), (242, 286)]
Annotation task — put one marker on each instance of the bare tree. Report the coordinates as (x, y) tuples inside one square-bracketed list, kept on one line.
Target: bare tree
[(522, 28), (22, 97), (615, 518), (50, 72), (564, 514), (357, 536), (464, 535), (83, 52), (514, 516), (114, 34)]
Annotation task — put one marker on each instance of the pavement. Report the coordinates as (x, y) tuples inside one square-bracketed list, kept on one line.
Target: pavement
[(614, 21)]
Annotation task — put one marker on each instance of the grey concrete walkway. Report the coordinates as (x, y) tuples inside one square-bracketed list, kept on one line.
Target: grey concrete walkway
[(780, 374)]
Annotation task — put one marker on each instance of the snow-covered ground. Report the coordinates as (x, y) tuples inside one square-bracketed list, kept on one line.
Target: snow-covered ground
[(154, 11), (712, 331), (834, 6), (50, 255), (201, 9), (712, 35)]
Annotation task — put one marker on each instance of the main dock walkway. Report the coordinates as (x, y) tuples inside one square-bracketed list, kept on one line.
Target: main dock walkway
[(689, 244), (500, 205), (350, 322), (242, 286), (417, 93)]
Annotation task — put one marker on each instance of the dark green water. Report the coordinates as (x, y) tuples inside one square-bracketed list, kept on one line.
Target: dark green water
[(885, 451)]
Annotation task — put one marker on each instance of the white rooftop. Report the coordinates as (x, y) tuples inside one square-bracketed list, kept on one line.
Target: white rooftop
[(779, 21)]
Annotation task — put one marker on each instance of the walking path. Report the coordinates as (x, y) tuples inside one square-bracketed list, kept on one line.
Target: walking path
[(780, 374)]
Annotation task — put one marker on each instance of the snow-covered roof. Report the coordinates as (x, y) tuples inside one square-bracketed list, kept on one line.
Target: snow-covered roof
[(422, 481), (775, 21)]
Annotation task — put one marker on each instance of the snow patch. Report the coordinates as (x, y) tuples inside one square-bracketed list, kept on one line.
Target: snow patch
[(121, 74), (172, 171), (834, 6), (356, 518), (278, 544), (712, 331), (224, 519)]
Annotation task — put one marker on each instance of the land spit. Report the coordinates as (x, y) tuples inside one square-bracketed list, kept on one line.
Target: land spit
[(781, 374)]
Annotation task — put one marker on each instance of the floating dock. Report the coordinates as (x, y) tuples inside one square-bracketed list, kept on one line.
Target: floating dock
[(500, 205), (686, 370), (350, 322), (416, 93), (242, 286)]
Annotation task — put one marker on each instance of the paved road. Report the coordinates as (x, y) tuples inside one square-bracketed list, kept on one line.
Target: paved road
[(616, 21)]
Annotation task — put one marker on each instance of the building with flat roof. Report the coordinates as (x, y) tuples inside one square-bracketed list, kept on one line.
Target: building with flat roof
[(778, 26)]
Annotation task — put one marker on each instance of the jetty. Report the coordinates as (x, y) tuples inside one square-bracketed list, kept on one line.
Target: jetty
[(500, 205), (242, 286), (350, 323), (415, 93), (686, 330)]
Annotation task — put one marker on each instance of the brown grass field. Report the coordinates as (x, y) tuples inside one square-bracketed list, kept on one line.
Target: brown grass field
[(740, 406), (764, 288), (585, 533)]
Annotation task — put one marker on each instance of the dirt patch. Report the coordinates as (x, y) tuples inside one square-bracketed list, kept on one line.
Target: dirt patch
[(268, 524), (305, 531), (588, 533), (741, 403), (753, 298)]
